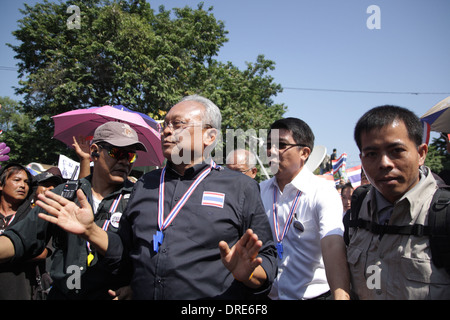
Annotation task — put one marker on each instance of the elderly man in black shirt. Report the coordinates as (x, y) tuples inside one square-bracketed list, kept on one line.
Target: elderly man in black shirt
[(181, 220)]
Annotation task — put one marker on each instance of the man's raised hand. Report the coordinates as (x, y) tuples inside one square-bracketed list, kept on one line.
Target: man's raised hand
[(242, 259), (65, 213)]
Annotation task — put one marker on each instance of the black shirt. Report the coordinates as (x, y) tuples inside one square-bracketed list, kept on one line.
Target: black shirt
[(70, 257), (188, 264), (18, 280)]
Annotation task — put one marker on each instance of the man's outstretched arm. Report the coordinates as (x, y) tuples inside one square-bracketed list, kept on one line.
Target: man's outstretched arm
[(6, 249)]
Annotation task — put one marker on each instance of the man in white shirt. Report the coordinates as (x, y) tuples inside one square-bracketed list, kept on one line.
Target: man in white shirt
[(305, 213)]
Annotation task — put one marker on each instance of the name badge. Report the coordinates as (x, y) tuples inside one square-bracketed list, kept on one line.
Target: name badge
[(115, 219)]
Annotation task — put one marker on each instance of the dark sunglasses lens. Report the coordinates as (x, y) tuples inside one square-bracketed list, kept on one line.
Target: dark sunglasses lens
[(118, 154), (132, 157)]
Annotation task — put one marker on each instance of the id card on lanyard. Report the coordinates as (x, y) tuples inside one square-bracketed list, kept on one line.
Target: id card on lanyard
[(280, 236), (158, 237)]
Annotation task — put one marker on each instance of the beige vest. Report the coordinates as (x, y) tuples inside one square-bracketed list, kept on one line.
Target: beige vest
[(397, 266)]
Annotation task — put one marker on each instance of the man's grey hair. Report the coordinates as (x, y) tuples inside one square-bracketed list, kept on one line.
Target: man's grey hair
[(212, 115)]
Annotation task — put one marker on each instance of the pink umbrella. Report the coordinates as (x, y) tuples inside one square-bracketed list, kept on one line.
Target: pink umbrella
[(83, 122)]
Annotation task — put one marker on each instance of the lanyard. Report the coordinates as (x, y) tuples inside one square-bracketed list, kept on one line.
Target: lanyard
[(10, 220), (164, 223), (105, 226), (7, 223), (276, 227)]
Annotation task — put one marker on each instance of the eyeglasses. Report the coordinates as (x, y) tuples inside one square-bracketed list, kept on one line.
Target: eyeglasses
[(181, 125), (282, 145), (245, 171), (120, 153)]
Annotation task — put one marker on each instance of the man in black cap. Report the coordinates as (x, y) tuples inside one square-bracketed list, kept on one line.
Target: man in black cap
[(47, 180), (78, 272)]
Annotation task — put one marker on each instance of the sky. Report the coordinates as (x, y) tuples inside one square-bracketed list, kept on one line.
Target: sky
[(331, 61)]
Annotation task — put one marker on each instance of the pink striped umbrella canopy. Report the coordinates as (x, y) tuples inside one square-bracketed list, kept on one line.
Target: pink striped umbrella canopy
[(83, 122)]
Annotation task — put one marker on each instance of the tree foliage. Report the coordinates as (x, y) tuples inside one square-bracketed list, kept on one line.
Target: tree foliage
[(24, 135), (125, 52), (437, 157)]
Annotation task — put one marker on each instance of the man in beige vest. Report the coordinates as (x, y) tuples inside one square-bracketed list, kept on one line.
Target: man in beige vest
[(389, 265)]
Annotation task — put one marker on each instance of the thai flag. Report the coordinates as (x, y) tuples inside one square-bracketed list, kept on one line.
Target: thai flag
[(339, 162), (214, 199), (354, 176)]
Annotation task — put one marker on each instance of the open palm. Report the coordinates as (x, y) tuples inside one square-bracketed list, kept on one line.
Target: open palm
[(65, 213), (241, 259)]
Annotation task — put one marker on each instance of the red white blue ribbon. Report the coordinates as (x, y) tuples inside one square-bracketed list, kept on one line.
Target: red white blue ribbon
[(7, 224), (113, 209), (294, 207), (164, 223), (115, 204)]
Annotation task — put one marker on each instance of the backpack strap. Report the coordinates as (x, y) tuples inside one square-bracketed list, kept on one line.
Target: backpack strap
[(438, 228), (417, 230), (350, 218), (439, 222)]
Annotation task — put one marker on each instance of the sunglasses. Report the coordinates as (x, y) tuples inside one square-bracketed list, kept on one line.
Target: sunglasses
[(282, 145), (120, 153)]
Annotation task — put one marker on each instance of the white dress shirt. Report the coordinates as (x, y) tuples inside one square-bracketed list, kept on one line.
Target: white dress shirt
[(301, 272)]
